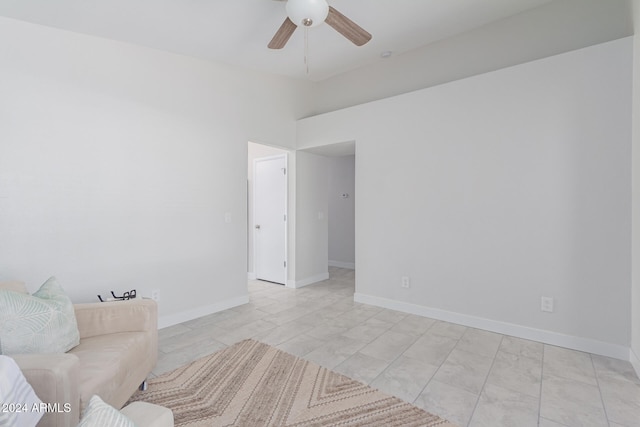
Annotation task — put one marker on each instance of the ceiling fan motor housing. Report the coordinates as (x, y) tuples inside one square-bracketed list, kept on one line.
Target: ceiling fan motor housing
[(308, 13)]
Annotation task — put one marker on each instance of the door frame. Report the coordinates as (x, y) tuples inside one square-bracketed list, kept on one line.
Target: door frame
[(286, 213)]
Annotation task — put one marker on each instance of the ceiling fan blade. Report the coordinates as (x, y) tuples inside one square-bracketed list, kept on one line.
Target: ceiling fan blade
[(283, 34), (345, 26)]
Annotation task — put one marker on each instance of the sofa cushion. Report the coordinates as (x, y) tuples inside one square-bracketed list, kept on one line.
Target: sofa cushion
[(99, 414), (15, 286), (44, 322), (110, 363)]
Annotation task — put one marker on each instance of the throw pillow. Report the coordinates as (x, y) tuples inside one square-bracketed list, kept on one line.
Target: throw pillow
[(99, 414), (20, 405), (44, 322)]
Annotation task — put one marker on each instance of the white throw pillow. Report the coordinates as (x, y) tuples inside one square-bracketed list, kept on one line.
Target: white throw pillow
[(99, 414), (20, 407), (44, 322)]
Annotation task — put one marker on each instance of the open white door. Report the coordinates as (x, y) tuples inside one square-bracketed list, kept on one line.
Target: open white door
[(270, 218)]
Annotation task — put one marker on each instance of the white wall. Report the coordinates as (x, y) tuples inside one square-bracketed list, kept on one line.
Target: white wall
[(492, 191), (559, 26), (342, 174), (635, 291), (118, 164), (312, 189)]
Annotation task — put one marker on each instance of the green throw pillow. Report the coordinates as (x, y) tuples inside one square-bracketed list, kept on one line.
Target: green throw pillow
[(99, 414), (44, 322)]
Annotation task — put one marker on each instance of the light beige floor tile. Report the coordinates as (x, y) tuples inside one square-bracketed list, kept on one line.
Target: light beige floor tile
[(372, 310), (446, 329), (431, 349), (571, 402), (301, 345), (571, 364), (361, 367), (277, 308), (390, 316), (413, 325), (287, 316), (244, 332), (522, 348), (621, 399), (368, 331), (501, 407), (548, 423), (479, 342), (175, 359), (186, 339), (388, 346), (326, 314), (335, 351), (240, 320), (517, 373), (405, 378), (326, 332), (263, 302), (464, 370), (172, 331), (350, 319), (282, 333), (446, 401)]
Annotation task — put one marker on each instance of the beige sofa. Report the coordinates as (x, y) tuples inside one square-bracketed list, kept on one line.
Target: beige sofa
[(117, 351)]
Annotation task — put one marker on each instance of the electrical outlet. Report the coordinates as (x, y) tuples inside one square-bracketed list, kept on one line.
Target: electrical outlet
[(155, 295), (546, 304), (406, 283)]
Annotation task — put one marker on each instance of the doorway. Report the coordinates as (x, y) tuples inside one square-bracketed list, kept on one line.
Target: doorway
[(337, 189)]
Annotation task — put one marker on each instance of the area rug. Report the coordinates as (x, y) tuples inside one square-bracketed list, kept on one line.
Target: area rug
[(253, 384)]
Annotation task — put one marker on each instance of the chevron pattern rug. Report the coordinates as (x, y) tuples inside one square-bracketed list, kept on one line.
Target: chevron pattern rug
[(254, 384)]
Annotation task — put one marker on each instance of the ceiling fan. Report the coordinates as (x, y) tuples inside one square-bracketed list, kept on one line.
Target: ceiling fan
[(310, 13)]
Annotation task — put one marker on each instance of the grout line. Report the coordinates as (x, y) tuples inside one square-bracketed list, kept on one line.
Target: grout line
[(544, 348), (443, 361), (401, 354), (595, 373), (484, 384)]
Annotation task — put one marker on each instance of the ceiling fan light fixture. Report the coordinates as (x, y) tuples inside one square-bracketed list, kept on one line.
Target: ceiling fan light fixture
[(307, 13)]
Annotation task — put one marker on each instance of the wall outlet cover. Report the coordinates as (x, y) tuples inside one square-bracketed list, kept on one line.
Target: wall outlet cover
[(406, 283), (546, 304)]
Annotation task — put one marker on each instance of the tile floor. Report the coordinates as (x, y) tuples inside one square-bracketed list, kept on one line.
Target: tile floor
[(469, 376)]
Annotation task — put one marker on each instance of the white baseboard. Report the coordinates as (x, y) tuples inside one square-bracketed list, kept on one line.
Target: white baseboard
[(547, 337), (183, 316), (307, 281), (251, 276), (635, 361), (340, 264)]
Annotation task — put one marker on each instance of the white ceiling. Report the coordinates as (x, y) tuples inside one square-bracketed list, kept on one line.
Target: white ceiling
[(237, 31)]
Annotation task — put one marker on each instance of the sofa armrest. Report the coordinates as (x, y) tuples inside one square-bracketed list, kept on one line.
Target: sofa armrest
[(54, 378), (100, 318)]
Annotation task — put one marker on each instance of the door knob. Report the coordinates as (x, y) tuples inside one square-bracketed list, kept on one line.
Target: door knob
[(257, 226)]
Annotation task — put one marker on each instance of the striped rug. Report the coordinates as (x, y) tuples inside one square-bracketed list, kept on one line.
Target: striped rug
[(254, 384)]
